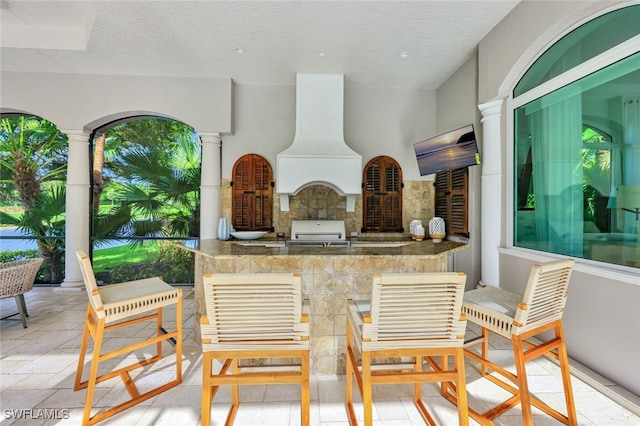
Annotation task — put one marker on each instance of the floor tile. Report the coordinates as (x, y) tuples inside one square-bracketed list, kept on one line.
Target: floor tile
[(37, 372)]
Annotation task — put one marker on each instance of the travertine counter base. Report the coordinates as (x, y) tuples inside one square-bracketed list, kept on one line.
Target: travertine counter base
[(330, 276)]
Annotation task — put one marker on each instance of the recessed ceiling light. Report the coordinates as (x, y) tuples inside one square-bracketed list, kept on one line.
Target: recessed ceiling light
[(404, 54), (321, 53), (239, 50)]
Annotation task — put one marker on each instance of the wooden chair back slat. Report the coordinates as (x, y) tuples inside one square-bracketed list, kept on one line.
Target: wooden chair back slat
[(416, 306), (253, 309), (545, 294)]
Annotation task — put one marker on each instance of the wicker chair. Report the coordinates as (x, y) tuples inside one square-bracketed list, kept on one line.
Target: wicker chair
[(254, 316), (16, 278), (114, 307), (518, 317), (416, 316)]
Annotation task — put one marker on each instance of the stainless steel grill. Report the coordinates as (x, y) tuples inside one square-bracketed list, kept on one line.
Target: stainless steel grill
[(318, 233)]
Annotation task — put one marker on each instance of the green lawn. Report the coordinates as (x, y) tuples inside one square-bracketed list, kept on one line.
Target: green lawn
[(14, 212), (107, 259)]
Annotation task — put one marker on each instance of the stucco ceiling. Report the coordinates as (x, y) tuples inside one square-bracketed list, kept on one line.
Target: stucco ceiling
[(364, 40)]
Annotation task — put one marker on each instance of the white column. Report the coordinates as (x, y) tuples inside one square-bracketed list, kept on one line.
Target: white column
[(211, 185), (491, 211), (77, 206)]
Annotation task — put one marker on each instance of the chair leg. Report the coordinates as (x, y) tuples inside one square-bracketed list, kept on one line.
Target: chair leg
[(22, 308), (93, 372), (563, 358), (159, 329), (83, 351), (523, 385), (367, 397), (349, 383), (235, 393), (417, 386), (461, 389), (351, 370), (206, 388), (485, 350), (304, 406)]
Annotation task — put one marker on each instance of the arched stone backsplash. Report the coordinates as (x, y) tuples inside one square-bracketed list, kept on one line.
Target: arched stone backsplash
[(322, 202)]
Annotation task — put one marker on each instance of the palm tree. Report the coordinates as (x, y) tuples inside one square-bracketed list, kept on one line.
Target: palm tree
[(33, 163), (153, 168), (98, 166), (45, 221)]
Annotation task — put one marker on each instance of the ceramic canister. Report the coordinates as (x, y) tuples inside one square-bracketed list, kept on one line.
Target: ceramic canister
[(412, 227), (437, 230), (419, 232), (224, 229)]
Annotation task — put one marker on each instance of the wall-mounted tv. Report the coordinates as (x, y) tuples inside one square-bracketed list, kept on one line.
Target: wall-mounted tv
[(449, 151)]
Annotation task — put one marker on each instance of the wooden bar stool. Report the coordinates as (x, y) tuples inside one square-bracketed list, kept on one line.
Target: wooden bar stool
[(415, 316), (119, 305), (254, 316), (518, 317)]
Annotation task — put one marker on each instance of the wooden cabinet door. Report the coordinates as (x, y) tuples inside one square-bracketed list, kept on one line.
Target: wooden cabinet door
[(451, 200), (252, 189), (382, 196)]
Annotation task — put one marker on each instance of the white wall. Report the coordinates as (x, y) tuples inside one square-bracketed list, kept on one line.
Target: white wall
[(376, 122), (81, 102), (264, 124), (600, 320), (457, 107), (259, 119), (388, 122)]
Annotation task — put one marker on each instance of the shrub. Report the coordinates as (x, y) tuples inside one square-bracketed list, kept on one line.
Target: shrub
[(123, 273)]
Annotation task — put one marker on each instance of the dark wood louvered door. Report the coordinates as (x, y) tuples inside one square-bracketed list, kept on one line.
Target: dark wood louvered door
[(382, 196), (252, 188), (451, 200)]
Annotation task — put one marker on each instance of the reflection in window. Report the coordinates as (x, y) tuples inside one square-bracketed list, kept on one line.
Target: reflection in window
[(577, 166), (597, 179)]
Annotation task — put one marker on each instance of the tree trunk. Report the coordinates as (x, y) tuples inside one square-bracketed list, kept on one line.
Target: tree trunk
[(98, 165), (26, 181), (53, 260)]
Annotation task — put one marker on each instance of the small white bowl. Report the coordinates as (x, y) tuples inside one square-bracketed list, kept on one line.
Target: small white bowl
[(248, 235)]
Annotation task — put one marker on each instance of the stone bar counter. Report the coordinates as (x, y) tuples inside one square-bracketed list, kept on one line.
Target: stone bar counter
[(330, 276)]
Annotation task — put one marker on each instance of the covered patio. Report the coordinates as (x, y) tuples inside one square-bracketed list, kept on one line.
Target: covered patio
[(38, 363)]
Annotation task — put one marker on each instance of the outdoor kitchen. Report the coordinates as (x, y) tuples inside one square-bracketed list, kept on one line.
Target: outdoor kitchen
[(317, 220), (331, 274)]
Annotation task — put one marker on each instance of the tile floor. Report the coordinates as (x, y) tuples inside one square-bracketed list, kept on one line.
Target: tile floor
[(37, 367)]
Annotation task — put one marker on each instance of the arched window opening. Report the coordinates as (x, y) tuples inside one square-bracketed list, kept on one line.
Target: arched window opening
[(145, 191), (577, 147), (382, 196), (585, 42), (252, 192), (33, 167)]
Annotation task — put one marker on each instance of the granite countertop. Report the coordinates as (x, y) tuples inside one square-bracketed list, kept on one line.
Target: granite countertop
[(234, 248)]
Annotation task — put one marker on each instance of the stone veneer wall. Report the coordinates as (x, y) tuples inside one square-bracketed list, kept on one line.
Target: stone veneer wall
[(322, 202)]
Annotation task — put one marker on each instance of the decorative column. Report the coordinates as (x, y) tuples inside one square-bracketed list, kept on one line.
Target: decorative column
[(211, 185), (77, 207), (492, 210)]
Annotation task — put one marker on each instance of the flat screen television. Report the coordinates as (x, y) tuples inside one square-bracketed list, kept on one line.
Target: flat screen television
[(449, 151)]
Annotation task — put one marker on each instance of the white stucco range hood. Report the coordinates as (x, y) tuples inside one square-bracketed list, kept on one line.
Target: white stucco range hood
[(319, 154)]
